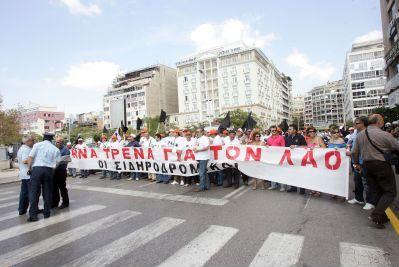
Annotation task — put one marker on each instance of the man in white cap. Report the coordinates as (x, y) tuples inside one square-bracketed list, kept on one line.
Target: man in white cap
[(22, 156), (82, 145)]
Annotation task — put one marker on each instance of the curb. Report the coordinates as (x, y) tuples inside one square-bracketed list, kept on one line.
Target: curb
[(393, 220)]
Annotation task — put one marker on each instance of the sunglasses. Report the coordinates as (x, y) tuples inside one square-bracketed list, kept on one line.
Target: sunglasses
[(335, 132), (312, 131), (273, 131), (257, 135)]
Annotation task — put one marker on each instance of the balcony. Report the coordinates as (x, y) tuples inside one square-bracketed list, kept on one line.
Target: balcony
[(392, 84)]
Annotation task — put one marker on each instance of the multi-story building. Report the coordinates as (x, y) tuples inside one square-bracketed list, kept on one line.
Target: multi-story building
[(324, 105), (236, 76), (389, 17), (298, 108), (364, 79), (40, 119), (93, 118), (139, 94)]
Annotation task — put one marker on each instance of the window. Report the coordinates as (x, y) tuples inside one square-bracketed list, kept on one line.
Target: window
[(234, 80), (186, 98), (185, 79)]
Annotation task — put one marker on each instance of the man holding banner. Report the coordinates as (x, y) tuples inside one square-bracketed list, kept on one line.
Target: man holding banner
[(201, 151)]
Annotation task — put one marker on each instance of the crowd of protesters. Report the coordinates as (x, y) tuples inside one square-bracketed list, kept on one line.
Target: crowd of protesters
[(374, 178)]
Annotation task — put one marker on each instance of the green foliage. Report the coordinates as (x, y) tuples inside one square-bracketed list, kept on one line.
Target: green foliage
[(10, 126), (238, 117), (389, 114), (349, 123)]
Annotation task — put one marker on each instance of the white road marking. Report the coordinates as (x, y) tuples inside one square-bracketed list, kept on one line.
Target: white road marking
[(147, 184), (7, 193), (242, 193), (238, 190), (4, 205), (307, 202), (152, 195), (198, 252), (25, 253), (32, 226), (352, 255), (7, 216), (125, 245), (279, 250), (14, 214), (9, 198)]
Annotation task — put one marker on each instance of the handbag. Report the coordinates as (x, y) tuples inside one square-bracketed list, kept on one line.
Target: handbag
[(389, 157)]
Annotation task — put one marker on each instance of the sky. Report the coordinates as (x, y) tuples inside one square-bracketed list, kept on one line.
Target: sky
[(65, 53)]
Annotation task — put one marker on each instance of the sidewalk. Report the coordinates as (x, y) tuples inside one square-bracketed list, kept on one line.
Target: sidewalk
[(9, 176)]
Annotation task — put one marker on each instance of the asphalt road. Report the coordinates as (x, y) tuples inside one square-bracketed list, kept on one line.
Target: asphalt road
[(137, 223)]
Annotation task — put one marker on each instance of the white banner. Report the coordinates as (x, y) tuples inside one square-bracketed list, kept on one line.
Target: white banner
[(324, 170)]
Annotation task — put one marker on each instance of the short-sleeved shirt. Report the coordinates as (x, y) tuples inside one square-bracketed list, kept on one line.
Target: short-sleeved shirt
[(201, 143), (276, 140), (23, 154), (296, 140), (218, 141), (234, 142), (64, 151), (44, 154)]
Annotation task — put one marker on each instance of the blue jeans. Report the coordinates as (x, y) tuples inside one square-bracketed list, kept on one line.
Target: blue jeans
[(24, 195), (219, 177), (203, 174), (104, 173), (163, 177), (72, 172), (84, 173), (135, 175), (115, 175)]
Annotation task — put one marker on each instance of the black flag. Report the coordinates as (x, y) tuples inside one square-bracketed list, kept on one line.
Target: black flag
[(249, 124), (162, 117), (225, 123), (139, 123), (283, 125), (123, 127), (105, 130)]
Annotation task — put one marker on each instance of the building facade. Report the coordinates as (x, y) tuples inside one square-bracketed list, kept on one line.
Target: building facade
[(298, 108), (139, 94), (364, 79), (40, 119), (93, 118), (235, 76), (324, 105), (390, 17)]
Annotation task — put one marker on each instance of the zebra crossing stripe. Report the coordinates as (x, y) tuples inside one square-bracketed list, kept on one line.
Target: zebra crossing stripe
[(352, 255), (25, 253), (29, 227), (198, 252), (7, 193), (152, 195), (8, 198), (279, 250), (125, 245), (8, 204), (10, 215)]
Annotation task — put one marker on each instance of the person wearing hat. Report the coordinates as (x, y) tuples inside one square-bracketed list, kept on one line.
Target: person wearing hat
[(71, 171), (82, 145), (232, 174), (202, 155), (42, 161), (132, 142)]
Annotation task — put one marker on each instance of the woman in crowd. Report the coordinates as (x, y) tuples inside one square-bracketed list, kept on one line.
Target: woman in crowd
[(314, 141), (275, 140), (336, 141), (257, 142)]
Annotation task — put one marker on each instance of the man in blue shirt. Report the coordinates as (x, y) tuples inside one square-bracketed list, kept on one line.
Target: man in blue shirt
[(22, 156), (60, 174), (42, 161)]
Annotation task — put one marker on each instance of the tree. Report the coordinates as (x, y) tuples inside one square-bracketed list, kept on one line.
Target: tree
[(389, 114), (238, 117), (298, 122), (10, 126)]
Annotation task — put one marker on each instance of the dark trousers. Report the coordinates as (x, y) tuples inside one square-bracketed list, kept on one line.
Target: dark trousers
[(24, 195), (382, 185), (59, 186), (362, 187), (41, 179), (232, 176)]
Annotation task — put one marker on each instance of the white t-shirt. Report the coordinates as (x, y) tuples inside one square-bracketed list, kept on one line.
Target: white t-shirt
[(144, 142), (234, 142), (180, 142), (201, 143), (190, 144), (168, 141), (218, 141)]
